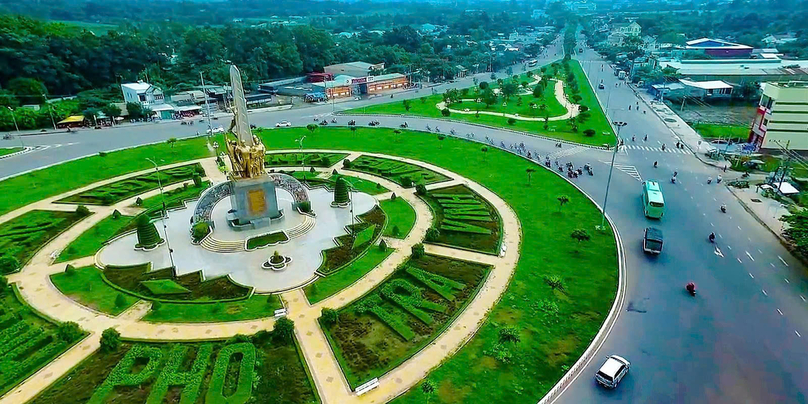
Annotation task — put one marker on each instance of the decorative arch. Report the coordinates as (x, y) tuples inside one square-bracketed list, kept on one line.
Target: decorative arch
[(209, 199), (291, 185)]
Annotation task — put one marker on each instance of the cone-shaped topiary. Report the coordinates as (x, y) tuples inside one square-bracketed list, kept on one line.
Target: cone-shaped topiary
[(341, 197), (147, 236)]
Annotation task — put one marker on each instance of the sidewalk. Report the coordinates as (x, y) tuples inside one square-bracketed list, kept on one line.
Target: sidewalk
[(767, 211)]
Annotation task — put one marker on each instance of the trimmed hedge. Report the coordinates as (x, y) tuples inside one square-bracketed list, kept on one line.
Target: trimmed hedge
[(121, 376), (246, 374), (170, 376)]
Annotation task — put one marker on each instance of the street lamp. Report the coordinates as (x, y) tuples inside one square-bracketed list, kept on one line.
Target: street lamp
[(13, 118), (50, 111), (619, 125), (163, 214), (350, 197)]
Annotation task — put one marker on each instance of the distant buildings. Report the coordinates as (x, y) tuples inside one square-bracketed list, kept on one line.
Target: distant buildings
[(782, 117), (358, 69), (717, 48), (703, 90), (621, 31), (774, 40), (738, 71), (149, 97)]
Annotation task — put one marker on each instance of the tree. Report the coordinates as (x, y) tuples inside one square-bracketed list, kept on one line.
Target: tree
[(341, 195), (423, 100), (135, 110), (110, 340), (589, 132), (445, 112), (90, 115), (428, 389), (529, 172), (483, 85), (538, 91), (69, 332), (8, 264), (418, 251), (489, 98), (329, 316), (407, 105), (580, 235), (284, 329), (562, 200), (312, 127), (441, 136), (511, 121), (484, 150), (27, 90), (147, 236), (112, 111), (509, 89), (171, 141), (3, 285), (509, 334)]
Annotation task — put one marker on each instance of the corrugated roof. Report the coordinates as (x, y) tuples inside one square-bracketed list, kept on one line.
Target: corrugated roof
[(73, 119), (389, 76), (706, 85), (137, 86)]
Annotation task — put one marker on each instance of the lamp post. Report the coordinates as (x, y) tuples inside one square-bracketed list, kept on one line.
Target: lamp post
[(619, 125), (163, 213), (50, 111), (350, 197), (14, 119)]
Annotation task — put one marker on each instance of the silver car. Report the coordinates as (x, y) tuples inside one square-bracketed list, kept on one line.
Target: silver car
[(612, 371)]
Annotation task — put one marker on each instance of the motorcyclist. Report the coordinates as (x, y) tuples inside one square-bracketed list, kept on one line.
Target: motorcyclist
[(712, 237), (645, 139), (663, 146), (724, 208), (710, 180), (718, 179), (655, 164)]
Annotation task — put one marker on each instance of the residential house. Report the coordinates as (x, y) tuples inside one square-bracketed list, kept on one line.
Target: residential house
[(703, 90), (627, 29), (782, 116), (774, 40), (149, 97)]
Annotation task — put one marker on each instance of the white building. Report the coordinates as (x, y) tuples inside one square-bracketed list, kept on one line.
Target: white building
[(149, 97), (782, 116), (628, 29), (773, 40)]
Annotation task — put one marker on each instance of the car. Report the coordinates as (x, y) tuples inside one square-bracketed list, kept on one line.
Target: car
[(601, 86), (612, 371), (216, 130), (283, 124), (652, 240)]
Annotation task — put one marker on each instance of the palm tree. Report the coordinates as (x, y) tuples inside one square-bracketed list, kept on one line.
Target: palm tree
[(484, 149), (562, 200), (529, 172)]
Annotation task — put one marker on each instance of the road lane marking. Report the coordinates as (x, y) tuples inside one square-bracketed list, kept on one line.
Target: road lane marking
[(750, 274), (798, 334), (739, 227), (729, 246), (772, 264), (802, 297), (782, 260), (786, 279), (781, 313), (764, 292), (750, 256), (718, 252), (760, 251)]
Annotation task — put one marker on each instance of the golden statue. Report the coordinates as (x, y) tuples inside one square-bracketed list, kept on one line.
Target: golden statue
[(246, 151)]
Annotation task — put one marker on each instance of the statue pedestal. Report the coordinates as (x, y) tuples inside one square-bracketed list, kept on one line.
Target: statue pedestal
[(254, 203)]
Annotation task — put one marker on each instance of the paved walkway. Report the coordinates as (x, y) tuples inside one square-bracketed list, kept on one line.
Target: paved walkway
[(35, 287), (572, 109)]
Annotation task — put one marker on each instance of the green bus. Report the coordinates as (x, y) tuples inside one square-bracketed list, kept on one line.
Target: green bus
[(653, 203)]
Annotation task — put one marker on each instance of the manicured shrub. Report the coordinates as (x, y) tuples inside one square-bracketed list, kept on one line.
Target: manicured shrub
[(217, 308), (199, 231), (420, 189), (329, 316), (246, 375), (237, 339), (511, 121), (580, 235), (312, 170), (284, 329), (70, 270), (589, 132), (326, 161), (82, 210), (139, 201), (3, 285), (116, 214), (8, 264), (190, 381), (509, 334), (396, 231), (554, 281), (382, 246), (197, 181), (110, 341), (102, 154), (418, 251), (69, 332), (406, 181), (156, 306), (122, 374), (305, 206), (445, 112), (120, 301), (432, 234), (393, 196), (346, 163)]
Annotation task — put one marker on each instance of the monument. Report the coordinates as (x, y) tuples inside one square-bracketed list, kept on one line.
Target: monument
[(253, 200)]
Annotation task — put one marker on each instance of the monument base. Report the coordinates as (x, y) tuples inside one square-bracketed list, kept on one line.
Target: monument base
[(254, 203)]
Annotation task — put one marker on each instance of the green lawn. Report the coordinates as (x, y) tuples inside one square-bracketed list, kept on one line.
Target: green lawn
[(256, 306), (23, 236), (175, 197), (303, 159), (548, 344), (399, 213), (325, 287), (8, 150), (266, 239), (556, 129), (89, 242), (87, 287), (27, 188), (710, 131), (358, 184), (473, 225)]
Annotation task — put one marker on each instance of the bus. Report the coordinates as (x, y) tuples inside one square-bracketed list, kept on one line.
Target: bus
[(653, 203), (532, 63)]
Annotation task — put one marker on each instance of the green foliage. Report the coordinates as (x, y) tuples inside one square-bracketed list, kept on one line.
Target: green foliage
[(420, 189), (171, 376), (147, 236), (199, 231), (116, 214), (138, 201), (156, 305), (23, 236), (163, 287), (511, 121), (589, 132), (346, 163), (121, 375), (432, 234), (284, 329), (445, 112), (382, 246), (270, 238), (69, 332), (562, 200), (554, 282), (396, 231), (580, 235), (197, 180), (82, 210), (305, 206), (8, 264), (509, 334), (329, 316), (441, 285), (70, 270), (406, 181), (120, 301), (405, 174), (3, 285), (408, 296), (363, 237), (341, 194), (110, 340), (418, 251)]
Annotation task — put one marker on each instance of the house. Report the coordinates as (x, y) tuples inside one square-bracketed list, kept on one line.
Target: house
[(782, 116), (461, 71), (538, 14), (703, 90), (773, 40), (616, 39), (149, 97), (738, 71), (627, 29), (355, 69), (718, 49)]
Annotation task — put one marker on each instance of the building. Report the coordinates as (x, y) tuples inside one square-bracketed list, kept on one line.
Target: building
[(142, 93), (346, 86), (717, 48), (355, 69), (703, 90), (737, 71), (774, 40), (628, 29), (782, 117)]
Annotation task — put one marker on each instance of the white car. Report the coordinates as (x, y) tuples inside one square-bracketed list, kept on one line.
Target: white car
[(283, 124), (612, 371), (216, 130)]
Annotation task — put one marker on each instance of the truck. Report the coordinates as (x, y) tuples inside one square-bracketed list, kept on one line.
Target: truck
[(621, 75)]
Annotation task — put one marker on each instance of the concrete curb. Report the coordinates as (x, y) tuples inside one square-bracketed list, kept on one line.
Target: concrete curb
[(25, 150)]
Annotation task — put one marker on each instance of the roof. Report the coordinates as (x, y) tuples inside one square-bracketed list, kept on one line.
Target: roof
[(738, 67), (160, 107), (707, 43), (653, 233), (611, 367), (139, 86), (706, 85), (73, 119), (389, 76), (355, 65)]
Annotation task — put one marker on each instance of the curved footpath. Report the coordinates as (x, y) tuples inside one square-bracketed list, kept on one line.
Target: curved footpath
[(35, 287)]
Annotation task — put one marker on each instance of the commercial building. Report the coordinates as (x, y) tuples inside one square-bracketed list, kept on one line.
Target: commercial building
[(344, 85), (355, 69), (703, 90), (740, 71), (717, 48), (782, 117)]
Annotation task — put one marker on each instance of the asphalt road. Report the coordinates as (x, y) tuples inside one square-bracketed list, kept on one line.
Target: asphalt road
[(739, 340)]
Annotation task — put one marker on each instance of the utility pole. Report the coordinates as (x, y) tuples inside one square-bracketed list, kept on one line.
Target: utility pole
[(164, 213), (207, 106), (619, 125), (50, 111)]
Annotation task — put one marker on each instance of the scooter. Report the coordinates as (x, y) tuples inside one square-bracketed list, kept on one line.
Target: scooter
[(691, 288), (724, 208), (711, 237), (333, 120)]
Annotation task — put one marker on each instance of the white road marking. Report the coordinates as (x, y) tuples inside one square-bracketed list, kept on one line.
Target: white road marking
[(711, 224), (718, 252), (750, 256), (786, 279), (729, 246), (782, 260), (760, 251), (802, 297), (772, 264), (739, 227), (781, 313), (750, 274), (764, 292), (798, 334)]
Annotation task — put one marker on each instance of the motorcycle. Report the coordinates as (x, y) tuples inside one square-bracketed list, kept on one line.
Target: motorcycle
[(724, 208), (333, 120), (403, 125), (351, 122), (183, 123), (711, 237), (9, 137), (324, 123), (691, 288)]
